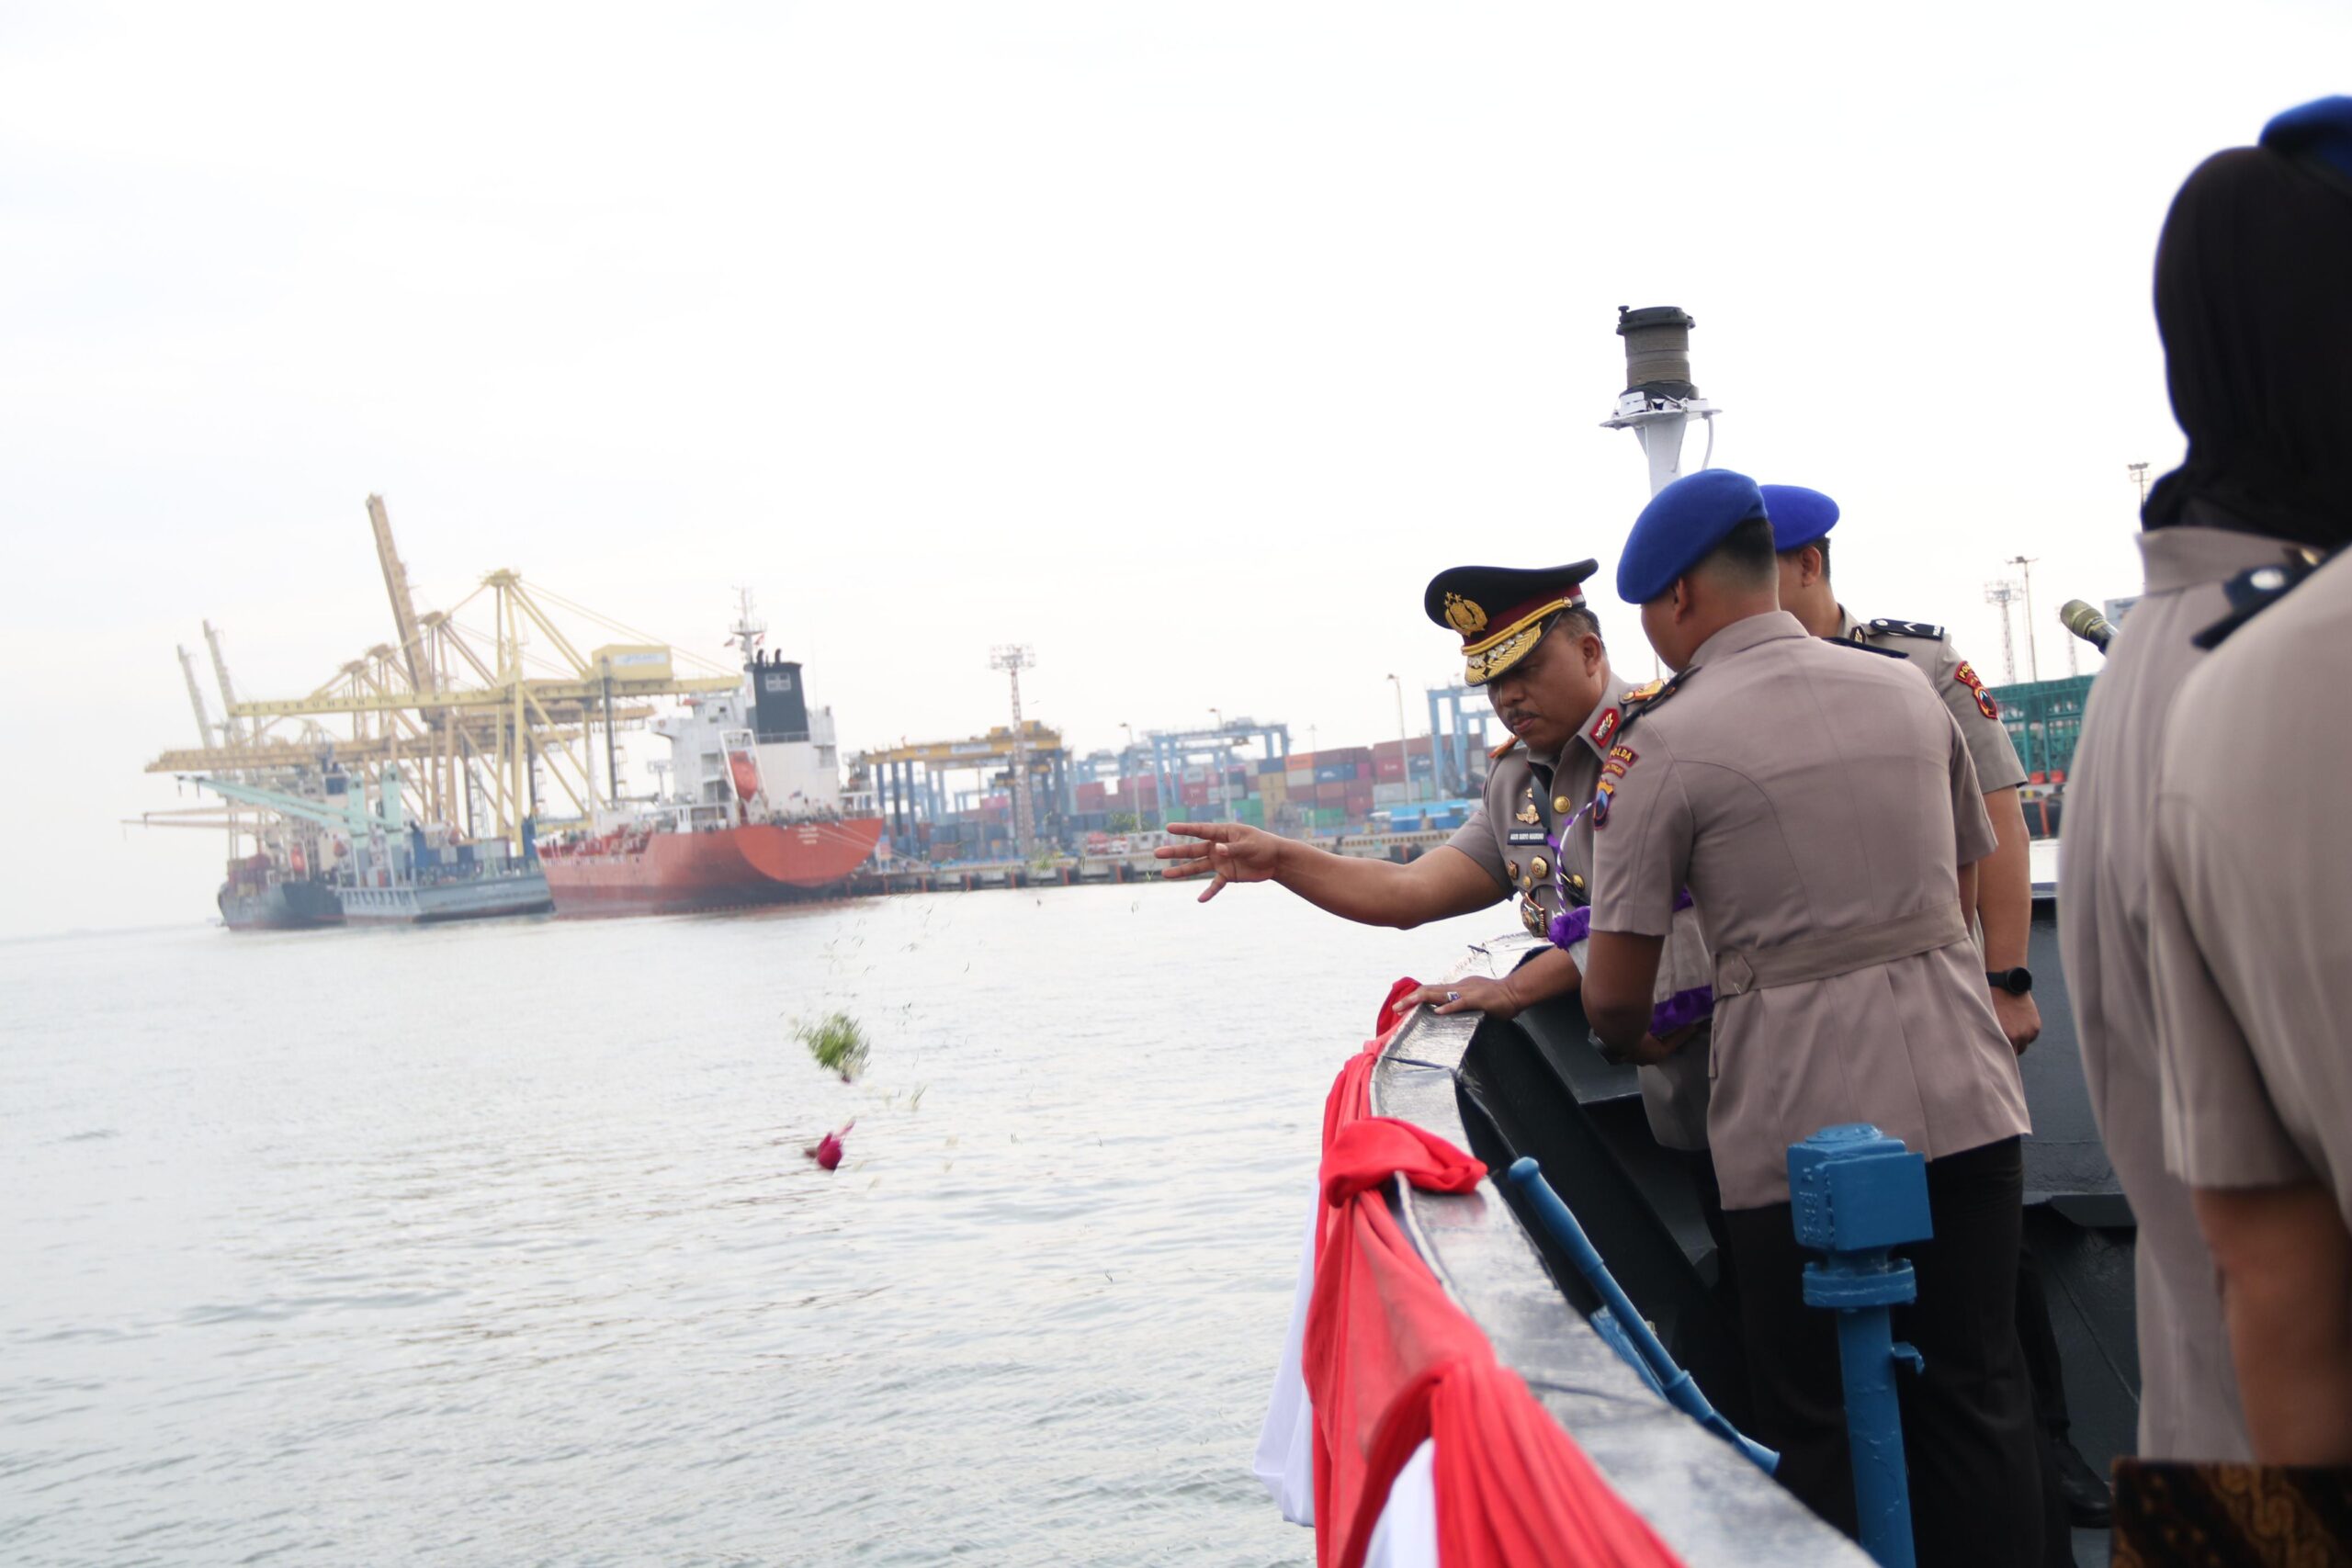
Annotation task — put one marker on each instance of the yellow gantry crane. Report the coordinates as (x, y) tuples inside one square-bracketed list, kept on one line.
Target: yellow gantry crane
[(456, 713)]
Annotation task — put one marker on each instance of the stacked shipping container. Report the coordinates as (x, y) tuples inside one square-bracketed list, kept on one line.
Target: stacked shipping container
[(1343, 789)]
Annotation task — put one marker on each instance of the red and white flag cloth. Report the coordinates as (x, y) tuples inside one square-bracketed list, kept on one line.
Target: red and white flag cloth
[(1393, 1428)]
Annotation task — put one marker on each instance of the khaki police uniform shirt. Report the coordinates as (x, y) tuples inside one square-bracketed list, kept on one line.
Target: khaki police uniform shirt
[(2188, 1398), (1956, 682), (1796, 789), (1525, 804), (2250, 903)]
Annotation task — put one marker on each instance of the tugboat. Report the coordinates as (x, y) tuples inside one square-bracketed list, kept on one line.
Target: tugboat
[(755, 816)]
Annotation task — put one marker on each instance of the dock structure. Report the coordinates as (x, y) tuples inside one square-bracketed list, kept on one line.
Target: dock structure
[(1091, 867), (970, 876)]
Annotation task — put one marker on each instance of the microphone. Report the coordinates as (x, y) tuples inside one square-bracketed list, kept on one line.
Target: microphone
[(2086, 623)]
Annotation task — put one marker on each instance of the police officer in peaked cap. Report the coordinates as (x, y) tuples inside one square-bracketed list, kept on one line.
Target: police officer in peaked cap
[(1528, 637)]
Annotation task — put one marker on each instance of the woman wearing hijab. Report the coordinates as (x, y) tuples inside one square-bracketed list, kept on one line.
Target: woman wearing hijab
[(2254, 308), (2250, 865)]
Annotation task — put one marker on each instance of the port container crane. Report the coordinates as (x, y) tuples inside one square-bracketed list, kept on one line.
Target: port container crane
[(453, 712)]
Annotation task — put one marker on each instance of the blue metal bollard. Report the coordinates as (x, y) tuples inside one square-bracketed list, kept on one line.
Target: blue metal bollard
[(1618, 1321), (1855, 1192)]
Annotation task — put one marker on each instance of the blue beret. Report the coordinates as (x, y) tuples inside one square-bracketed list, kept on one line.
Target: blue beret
[(1681, 525), (1799, 515), (2319, 132)]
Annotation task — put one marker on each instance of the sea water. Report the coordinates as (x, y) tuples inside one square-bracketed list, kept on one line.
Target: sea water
[(497, 1244)]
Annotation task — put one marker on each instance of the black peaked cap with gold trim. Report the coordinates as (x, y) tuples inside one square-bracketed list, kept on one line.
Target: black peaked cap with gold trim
[(1500, 611)]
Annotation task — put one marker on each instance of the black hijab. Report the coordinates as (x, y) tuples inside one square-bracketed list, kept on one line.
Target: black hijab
[(2253, 301)]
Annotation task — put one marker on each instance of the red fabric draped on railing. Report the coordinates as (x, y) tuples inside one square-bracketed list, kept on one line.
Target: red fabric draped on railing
[(1390, 1361)]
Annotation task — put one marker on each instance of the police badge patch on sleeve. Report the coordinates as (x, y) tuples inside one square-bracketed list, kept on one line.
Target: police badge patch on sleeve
[(1975, 684)]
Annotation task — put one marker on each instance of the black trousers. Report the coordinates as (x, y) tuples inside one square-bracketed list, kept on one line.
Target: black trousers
[(2041, 1348), (1969, 1432)]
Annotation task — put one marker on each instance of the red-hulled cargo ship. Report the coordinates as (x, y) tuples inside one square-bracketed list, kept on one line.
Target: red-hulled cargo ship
[(755, 816), (665, 871)]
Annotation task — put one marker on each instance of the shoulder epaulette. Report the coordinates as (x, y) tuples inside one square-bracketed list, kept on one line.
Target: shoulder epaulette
[(1648, 699), (2250, 593), (1928, 630), (1496, 753), (1866, 647)]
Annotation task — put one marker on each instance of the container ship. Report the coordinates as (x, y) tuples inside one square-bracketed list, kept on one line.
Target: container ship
[(336, 858), (262, 893), (756, 815)]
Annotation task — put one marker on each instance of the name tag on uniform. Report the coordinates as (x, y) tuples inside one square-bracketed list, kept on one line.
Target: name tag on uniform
[(1527, 836)]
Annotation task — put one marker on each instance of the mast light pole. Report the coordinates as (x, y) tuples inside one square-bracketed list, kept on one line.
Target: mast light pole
[(1013, 658)]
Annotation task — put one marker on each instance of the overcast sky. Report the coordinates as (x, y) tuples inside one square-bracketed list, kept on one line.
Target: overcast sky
[(1182, 342)]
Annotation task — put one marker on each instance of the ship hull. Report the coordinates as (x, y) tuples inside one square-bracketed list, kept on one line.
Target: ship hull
[(682, 873), (299, 906), (476, 899)]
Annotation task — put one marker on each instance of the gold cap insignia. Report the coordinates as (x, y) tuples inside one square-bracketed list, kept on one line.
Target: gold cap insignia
[(1463, 616)]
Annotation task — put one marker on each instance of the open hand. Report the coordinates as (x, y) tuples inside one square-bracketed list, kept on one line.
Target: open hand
[(1469, 994), (1228, 852)]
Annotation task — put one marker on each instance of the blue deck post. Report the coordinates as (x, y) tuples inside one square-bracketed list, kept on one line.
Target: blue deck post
[(1855, 1192)]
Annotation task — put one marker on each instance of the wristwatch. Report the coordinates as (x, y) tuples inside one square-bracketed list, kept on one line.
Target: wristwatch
[(2017, 981)]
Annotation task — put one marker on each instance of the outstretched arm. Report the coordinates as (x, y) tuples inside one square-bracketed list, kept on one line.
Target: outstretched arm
[(1372, 892)]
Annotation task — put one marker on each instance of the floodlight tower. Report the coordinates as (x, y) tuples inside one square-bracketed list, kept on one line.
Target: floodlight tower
[(1013, 658), (2004, 592), (2139, 472), (2032, 660)]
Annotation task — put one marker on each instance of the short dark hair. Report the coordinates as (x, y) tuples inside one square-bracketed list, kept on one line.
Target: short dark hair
[(1746, 554), (1822, 544), (1578, 621)]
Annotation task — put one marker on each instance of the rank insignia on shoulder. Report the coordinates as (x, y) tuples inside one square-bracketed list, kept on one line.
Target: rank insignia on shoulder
[(1927, 630), (2250, 593), (1604, 727), (1643, 701)]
